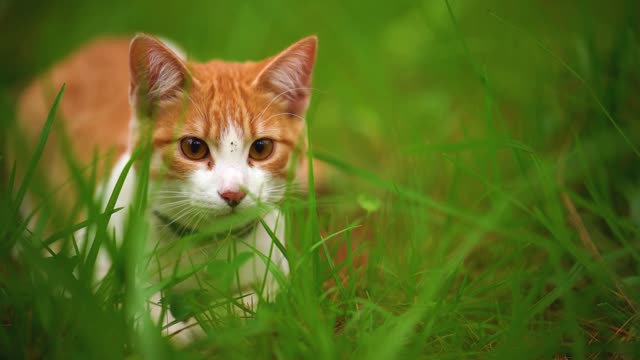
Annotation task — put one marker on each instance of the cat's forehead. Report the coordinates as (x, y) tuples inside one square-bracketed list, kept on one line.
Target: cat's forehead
[(224, 102)]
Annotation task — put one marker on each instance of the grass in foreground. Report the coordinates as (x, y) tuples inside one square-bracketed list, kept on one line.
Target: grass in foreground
[(500, 221)]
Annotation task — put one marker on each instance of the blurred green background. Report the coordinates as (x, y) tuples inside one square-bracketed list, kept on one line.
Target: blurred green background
[(387, 73), (462, 124), (389, 76)]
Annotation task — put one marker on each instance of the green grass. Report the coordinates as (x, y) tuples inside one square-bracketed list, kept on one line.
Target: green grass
[(485, 162)]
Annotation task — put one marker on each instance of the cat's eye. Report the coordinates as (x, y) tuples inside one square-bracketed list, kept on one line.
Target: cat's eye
[(194, 148), (261, 149)]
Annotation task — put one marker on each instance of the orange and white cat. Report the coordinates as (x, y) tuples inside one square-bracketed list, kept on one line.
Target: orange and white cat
[(223, 136)]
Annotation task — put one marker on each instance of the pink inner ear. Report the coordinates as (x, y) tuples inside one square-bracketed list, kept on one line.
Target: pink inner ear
[(288, 74), (156, 72)]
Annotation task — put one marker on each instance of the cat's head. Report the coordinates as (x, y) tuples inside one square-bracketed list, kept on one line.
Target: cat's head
[(223, 134)]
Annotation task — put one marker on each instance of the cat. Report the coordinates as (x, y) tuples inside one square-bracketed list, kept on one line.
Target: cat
[(223, 137)]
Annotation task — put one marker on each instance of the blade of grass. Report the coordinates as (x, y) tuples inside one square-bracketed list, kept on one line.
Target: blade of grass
[(575, 74), (33, 163)]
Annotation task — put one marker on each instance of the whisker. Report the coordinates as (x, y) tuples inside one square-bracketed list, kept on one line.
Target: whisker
[(194, 215), (199, 219), (170, 203), (172, 192), (179, 197), (173, 199), (277, 97), (285, 113), (181, 215), (171, 206)]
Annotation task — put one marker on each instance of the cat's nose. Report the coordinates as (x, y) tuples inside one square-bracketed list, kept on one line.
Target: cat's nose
[(232, 198)]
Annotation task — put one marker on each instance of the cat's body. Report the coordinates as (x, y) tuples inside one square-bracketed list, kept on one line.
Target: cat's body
[(223, 137)]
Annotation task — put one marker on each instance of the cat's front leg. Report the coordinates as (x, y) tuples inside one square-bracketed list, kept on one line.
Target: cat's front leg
[(261, 276)]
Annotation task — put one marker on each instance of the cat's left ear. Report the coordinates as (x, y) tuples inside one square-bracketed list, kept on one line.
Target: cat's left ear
[(288, 74)]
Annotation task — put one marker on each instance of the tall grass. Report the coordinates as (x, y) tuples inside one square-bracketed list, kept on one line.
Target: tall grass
[(485, 171)]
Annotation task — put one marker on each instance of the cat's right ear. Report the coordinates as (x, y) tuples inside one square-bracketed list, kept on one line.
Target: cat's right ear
[(158, 74)]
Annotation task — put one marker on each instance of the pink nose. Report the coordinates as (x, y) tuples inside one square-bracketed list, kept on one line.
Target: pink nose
[(232, 198)]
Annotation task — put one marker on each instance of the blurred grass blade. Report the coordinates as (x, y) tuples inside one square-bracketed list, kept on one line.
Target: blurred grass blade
[(33, 163), (573, 72), (275, 239), (406, 193)]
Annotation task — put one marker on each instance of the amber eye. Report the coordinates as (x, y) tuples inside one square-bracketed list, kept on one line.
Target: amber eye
[(261, 149), (194, 148)]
